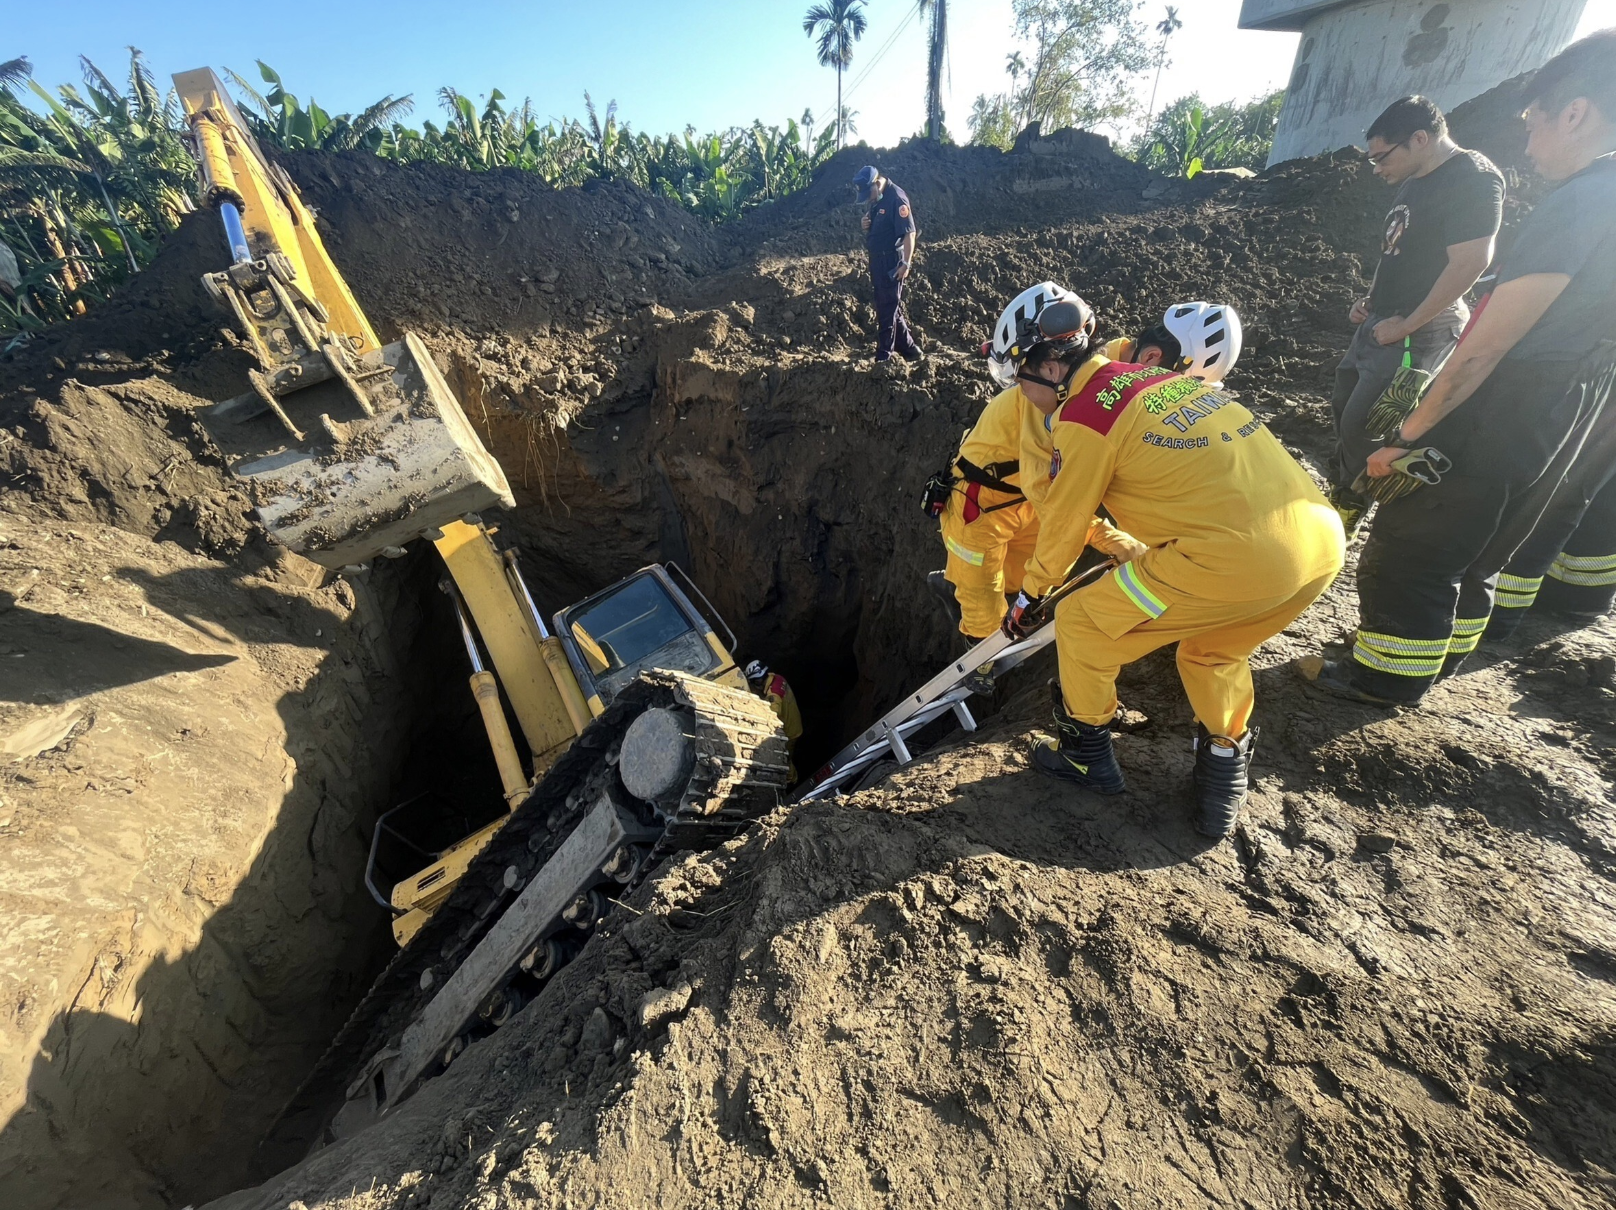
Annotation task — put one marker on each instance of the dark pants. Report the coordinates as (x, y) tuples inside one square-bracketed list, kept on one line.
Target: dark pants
[(1568, 563), (1365, 373), (1582, 579), (892, 329), (1432, 556)]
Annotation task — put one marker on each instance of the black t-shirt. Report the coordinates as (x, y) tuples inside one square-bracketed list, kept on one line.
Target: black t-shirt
[(1572, 231), (1460, 200)]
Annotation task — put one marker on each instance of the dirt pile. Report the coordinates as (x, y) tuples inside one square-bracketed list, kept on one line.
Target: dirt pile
[(970, 987), (1394, 989)]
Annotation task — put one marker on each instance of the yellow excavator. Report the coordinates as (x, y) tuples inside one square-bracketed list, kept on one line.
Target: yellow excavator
[(352, 449)]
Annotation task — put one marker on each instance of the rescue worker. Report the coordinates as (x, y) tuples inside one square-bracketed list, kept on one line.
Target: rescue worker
[(1438, 237), (988, 527), (774, 689), (889, 235), (1238, 542), (1200, 339), (1527, 383)]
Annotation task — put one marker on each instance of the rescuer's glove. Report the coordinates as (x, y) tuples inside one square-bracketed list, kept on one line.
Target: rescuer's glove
[(1414, 470), (1023, 616), (1398, 401)]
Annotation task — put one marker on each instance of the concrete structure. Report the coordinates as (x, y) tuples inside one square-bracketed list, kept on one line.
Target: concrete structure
[(1358, 56)]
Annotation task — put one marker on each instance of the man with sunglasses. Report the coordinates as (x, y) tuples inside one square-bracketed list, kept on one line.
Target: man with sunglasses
[(1234, 539), (1511, 409), (1437, 239)]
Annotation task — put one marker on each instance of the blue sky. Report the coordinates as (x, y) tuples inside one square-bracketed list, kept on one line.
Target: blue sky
[(712, 64)]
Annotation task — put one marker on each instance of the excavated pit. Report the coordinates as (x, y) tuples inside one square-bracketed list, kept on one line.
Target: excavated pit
[(951, 990)]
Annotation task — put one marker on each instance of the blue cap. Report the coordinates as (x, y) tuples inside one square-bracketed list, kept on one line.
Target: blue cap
[(865, 182)]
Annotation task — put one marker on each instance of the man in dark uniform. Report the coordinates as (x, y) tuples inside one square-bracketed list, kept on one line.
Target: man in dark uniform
[(889, 233), (1526, 383), (1438, 238)]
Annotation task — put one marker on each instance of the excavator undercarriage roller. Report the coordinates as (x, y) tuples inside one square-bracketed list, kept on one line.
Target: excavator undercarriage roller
[(675, 762)]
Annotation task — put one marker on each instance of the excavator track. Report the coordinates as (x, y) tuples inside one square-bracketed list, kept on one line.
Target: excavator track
[(708, 759)]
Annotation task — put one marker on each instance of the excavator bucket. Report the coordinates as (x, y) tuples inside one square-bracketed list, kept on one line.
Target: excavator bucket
[(371, 454)]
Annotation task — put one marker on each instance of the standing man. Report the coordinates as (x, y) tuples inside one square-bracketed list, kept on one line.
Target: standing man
[(1438, 238), (1236, 540), (1531, 373), (889, 234)]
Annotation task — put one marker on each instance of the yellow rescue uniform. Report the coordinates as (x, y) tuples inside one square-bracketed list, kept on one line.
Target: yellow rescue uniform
[(990, 534), (1239, 539)]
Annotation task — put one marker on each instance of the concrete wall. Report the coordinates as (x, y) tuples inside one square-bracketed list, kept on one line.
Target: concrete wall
[(1355, 58)]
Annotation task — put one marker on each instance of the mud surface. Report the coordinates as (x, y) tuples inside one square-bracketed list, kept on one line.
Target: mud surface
[(963, 987)]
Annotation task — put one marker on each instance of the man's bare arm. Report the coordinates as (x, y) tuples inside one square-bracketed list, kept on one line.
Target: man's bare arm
[(1510, 314), (1466, 262)]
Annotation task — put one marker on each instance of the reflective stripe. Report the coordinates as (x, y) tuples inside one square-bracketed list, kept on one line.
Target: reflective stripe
[(1586, 571), (973, 557), (1134, 588), (1586, 562), (1392, 644), (1517, 592), (1466, 635), (1399, 656)]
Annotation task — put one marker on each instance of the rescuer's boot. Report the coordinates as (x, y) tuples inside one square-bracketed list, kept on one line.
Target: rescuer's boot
[(1081, 754), (1222, 774)]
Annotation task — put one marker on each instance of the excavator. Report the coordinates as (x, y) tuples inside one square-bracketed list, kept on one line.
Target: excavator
[(643, 735)]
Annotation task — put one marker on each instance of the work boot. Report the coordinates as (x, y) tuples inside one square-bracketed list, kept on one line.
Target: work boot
[(1222, 774), (1336, 677), (943, 589), (1081, 754), (1502, 625)]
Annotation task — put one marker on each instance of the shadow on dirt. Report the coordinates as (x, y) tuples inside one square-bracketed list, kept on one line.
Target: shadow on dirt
[(163, 1105), (85, 657)]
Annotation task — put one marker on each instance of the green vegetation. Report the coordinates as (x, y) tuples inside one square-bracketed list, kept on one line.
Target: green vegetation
[(837, 24), (1189, 136), (92, 178), (1084, 55)]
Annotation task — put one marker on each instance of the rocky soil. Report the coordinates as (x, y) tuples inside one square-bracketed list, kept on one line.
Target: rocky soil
[(964, 986)]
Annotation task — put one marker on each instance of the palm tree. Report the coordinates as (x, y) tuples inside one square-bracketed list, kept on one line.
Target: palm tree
[(1166, 27), (837, 24), (936, 43)]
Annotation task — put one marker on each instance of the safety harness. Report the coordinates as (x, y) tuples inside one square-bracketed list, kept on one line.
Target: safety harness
[(941, 485)]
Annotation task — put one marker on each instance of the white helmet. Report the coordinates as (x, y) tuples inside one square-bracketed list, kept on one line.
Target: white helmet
[(1023, 306), (1208, 335)]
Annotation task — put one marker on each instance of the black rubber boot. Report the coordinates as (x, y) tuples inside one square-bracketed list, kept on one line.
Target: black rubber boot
[(1081, 754), (1339, 677), (1222, 775), (1503, 624)]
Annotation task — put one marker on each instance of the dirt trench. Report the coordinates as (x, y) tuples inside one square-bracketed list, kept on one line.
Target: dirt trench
[(1393, 990)]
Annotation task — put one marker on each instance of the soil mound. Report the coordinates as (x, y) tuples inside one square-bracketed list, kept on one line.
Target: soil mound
[(1393, 989), (972, 987)]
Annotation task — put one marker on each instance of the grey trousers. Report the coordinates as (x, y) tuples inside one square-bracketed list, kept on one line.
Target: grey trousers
[(1365, 373)]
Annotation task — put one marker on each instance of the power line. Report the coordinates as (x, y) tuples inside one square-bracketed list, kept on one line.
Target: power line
[(886, 46)]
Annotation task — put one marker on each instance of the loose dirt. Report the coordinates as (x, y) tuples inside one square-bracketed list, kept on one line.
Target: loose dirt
[(964, 986)]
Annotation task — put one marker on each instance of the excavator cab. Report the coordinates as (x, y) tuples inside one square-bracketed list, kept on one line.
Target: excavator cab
[(641, 623)]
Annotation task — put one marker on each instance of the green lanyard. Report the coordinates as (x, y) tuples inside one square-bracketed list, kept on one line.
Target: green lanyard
[(1408, 352)]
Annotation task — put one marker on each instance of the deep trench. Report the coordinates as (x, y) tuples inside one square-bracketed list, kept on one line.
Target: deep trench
[(446, 782)]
